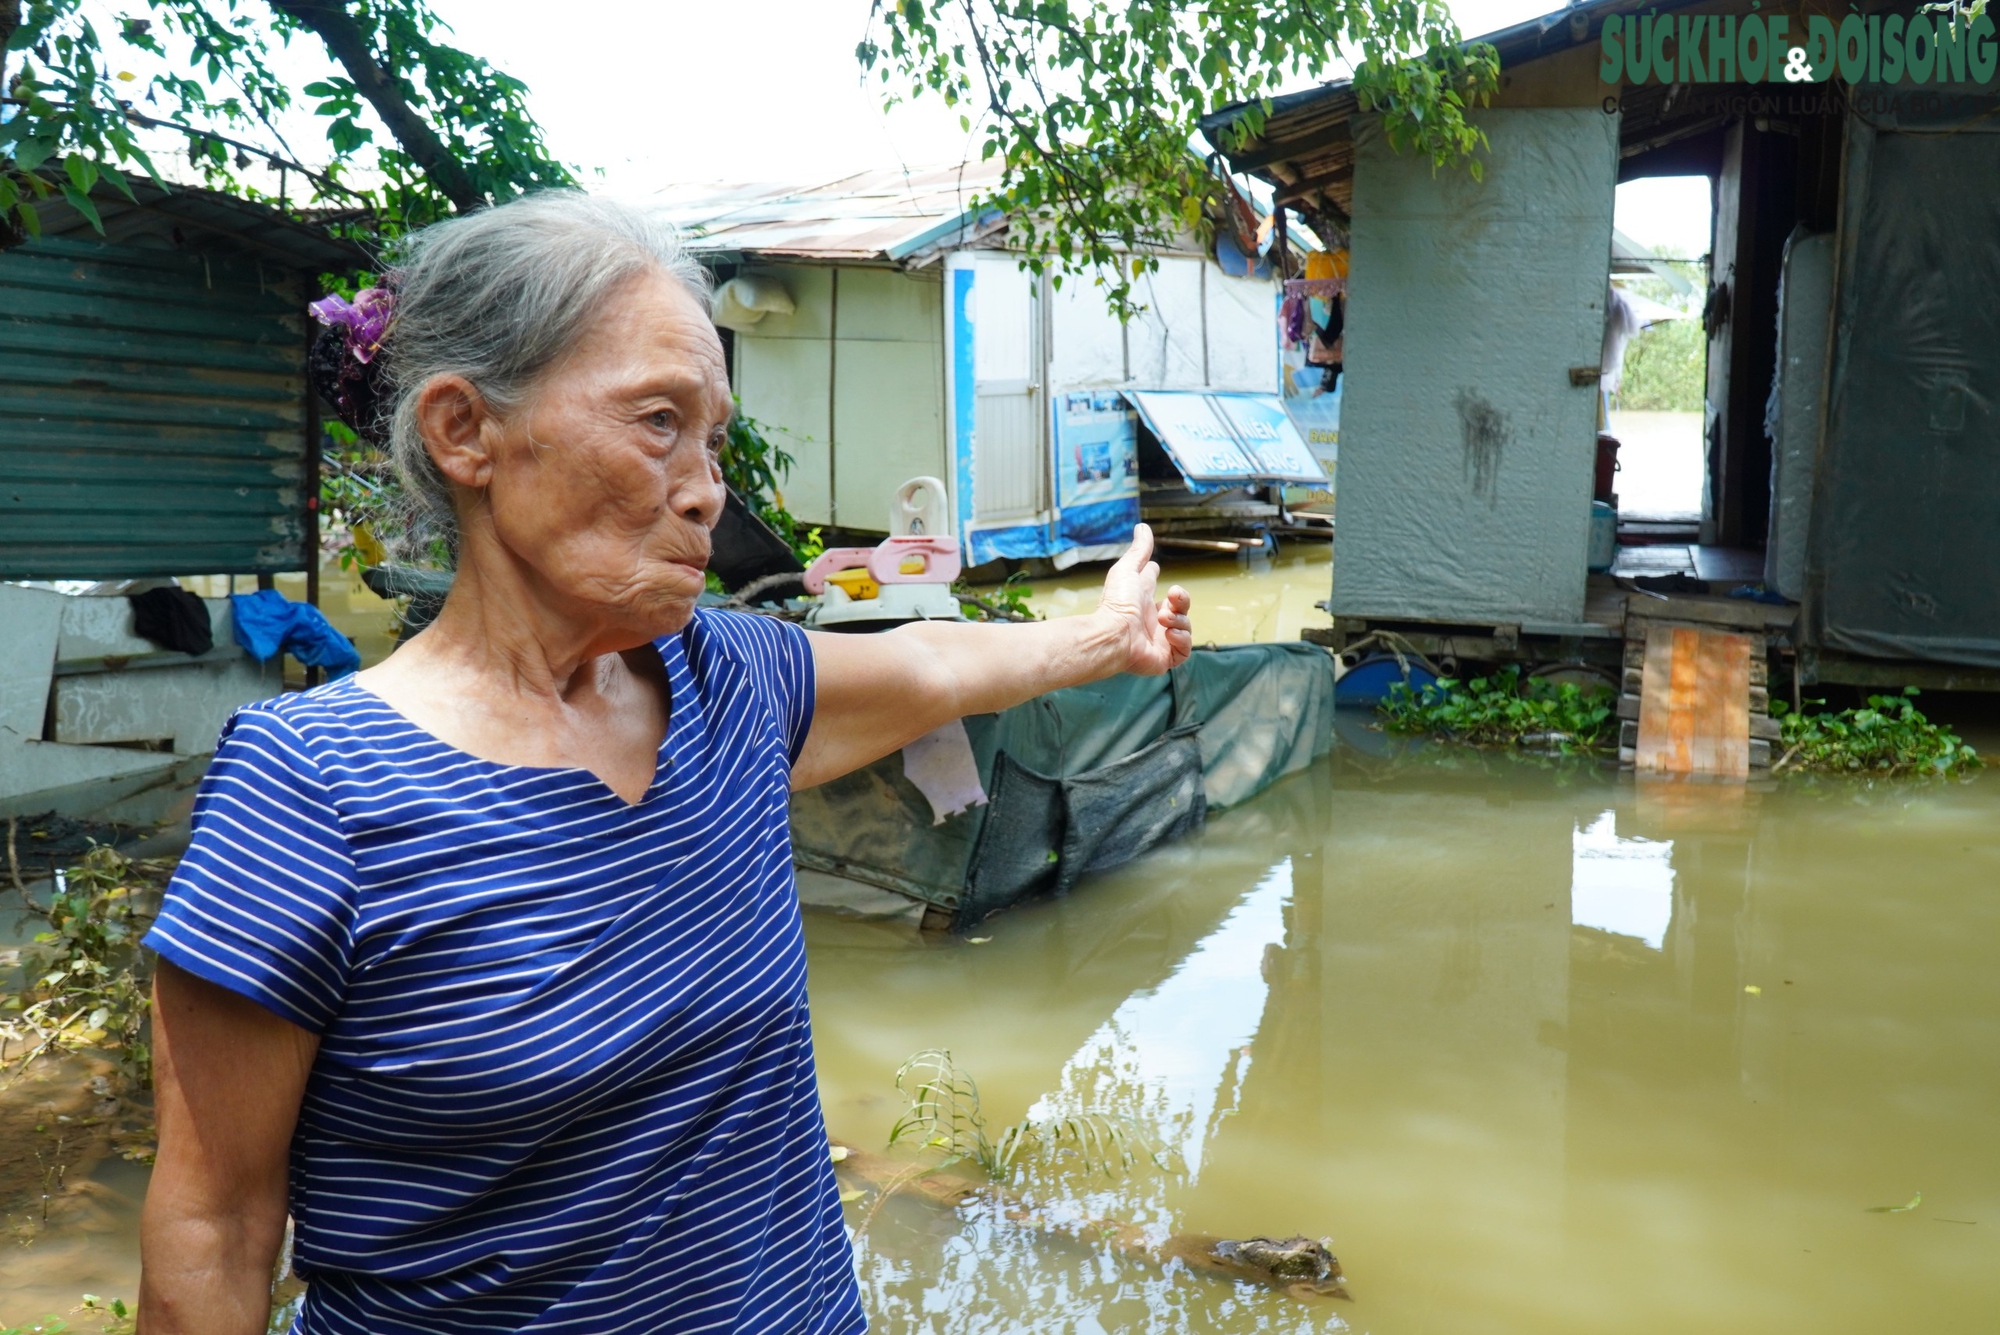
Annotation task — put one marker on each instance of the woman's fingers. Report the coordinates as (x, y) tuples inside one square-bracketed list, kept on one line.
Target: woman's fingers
[(1141, 550), (1175, 627)]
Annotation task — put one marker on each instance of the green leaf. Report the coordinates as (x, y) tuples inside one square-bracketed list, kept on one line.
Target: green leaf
[(32, 153), (81, 203), (118, 181), (82, 171)]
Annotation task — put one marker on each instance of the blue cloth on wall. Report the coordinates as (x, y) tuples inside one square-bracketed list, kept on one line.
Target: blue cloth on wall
[(267, 624)]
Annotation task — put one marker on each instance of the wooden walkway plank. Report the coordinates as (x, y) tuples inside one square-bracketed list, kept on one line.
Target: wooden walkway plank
[(1694, 713)]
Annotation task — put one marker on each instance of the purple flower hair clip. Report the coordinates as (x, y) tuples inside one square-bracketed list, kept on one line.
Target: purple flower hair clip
[(364, 322)]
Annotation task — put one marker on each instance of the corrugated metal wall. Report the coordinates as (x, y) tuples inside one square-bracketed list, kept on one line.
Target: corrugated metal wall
[(152, 413)]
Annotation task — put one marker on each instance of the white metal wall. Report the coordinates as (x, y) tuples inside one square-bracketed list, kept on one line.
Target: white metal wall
[(852, 386)]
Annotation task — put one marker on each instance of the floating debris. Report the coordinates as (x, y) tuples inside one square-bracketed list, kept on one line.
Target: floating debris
[(1297, 1267), (1915, 1201)]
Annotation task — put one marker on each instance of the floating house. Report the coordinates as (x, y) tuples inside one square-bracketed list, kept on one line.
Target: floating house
[(880, 326), (1853, 405)]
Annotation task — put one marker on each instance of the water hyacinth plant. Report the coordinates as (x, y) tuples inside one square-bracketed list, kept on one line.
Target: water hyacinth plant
[(1888, 737), (1503, 710)]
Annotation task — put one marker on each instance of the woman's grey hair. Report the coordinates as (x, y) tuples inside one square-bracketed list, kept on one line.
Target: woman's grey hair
[(498, 297)]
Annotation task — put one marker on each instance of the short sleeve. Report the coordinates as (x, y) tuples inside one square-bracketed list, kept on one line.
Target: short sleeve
[(263, 900), (779, 655)]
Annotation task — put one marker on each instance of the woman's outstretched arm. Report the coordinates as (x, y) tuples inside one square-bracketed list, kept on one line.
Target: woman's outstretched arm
[(228, 1077), (877, 693)]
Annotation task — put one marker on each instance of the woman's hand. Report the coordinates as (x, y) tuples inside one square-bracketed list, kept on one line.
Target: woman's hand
[(1156, 635)]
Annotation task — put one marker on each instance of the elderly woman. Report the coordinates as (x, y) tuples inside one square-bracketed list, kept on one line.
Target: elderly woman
[(485, 963)]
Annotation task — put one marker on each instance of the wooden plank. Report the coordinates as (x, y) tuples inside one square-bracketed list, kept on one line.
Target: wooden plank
[(1702, 610), (1722, 704), (1694, 713)]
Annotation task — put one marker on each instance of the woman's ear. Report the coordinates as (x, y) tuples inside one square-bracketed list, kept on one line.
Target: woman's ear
[(451, 416)]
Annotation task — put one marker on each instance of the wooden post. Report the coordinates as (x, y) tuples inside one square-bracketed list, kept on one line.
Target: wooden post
[(310, 485)]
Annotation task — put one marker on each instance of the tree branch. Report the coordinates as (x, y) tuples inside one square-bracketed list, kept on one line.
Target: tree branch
[(10, 19), (349, 44), (319, 179)]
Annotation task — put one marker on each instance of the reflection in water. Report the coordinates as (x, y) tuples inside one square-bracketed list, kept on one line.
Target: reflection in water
[(1171, 1058), (1618, 885), (1505, 1055)]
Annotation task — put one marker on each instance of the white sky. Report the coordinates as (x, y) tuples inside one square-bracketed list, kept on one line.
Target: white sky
[(1668, 213), (769, 90), (647, 93), (751, 90)]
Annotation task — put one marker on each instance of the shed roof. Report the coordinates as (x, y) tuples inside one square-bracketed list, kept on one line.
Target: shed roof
[(876, 216), (177, 215), (1305, 151)]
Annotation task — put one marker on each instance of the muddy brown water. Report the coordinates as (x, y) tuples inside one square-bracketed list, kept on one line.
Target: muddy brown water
[(1540, 1049)]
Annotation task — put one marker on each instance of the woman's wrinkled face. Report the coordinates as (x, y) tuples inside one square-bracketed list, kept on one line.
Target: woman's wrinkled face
[(606, 486)]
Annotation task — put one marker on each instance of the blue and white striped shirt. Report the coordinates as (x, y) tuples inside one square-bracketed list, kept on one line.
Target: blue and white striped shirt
[(565, 1076)]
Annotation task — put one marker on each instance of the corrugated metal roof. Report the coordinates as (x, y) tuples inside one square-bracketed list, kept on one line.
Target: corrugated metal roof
[(877, 215), (202, 219), (152, 412)]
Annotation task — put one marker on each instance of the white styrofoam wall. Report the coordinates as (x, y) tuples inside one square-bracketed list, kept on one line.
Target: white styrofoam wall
[(1465, 451), (32, 620), (30, 625), (1166, 338), (150, 695), (1242, 333), (1086, 346), (185, 704)]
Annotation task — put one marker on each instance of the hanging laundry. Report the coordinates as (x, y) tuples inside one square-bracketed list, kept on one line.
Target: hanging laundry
[(1623, 321), (1325, 264), (1326, 347), (1292, 319)]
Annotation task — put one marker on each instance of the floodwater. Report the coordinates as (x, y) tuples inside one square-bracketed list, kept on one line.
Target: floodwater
[(1238, 600), (1540, 1049)]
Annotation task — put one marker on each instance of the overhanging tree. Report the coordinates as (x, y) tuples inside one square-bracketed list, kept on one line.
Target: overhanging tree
[(459, 130), (1090, 105)]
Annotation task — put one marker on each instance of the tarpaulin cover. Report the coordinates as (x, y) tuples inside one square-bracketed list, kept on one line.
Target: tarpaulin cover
[(1079, 780), (1465, 446), (1791, 420), (1230, 439), (1904, 543)]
